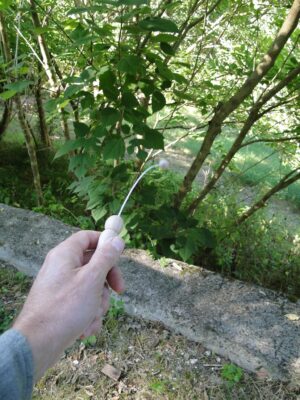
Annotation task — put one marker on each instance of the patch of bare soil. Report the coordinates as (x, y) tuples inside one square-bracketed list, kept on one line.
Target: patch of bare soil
[(153, 364)]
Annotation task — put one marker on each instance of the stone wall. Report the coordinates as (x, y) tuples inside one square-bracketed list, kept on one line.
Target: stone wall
[(254, 327)]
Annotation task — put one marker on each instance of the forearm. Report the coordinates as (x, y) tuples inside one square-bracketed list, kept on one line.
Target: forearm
[(45, 346)]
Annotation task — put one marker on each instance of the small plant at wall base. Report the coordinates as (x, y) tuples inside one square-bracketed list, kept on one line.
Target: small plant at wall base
[(232, 374)]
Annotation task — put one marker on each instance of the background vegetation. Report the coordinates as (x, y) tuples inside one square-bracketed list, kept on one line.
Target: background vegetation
[(94, 90)]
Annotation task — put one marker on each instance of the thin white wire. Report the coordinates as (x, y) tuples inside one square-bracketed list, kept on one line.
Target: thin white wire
[(29, 45), (18, 20), (134, 186)]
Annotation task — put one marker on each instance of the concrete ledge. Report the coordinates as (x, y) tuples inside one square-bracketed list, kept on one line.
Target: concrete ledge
[(254, 327)]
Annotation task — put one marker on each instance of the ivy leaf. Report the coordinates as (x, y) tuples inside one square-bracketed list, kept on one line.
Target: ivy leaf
[(158, 101), (157, 24), (114, 148), (109, 116)]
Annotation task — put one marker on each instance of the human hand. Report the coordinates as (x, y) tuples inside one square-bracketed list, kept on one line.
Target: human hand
[(69, 296)]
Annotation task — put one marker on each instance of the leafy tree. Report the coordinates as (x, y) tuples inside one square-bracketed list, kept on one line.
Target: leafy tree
[(119, 74)]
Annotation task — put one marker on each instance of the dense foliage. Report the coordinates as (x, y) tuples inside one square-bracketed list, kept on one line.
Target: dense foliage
[(115, 77)]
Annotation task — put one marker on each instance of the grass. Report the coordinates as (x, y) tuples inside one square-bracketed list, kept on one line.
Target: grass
[(154, 362)]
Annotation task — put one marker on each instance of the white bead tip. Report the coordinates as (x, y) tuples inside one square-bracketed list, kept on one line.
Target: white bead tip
[(163, 164), (115, 223)]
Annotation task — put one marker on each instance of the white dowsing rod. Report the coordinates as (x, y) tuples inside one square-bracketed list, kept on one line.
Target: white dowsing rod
[(114, 224)]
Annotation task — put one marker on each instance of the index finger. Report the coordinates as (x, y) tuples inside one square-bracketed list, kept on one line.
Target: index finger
[(80, 242)]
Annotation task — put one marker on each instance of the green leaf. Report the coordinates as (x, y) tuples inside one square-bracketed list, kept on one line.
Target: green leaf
[(109, 116), (166, 48), (129, 100), (153, 139), (99, 213), (51, 105), (157, 24), (63, 104), (114, 148), (164, 37), (125, 129), (80, 164), (131, 65), (158, 101), (41, 29), (166, 84), (72, 89), (132, 2), (68, 146), (107, 84), (80, 129), (164, 71), (107, 78), (99, 131), (179, 78), (7, 94), (5, 4), (142, 154), (87, 101), (206, 238), (184, 95), (18, 86)]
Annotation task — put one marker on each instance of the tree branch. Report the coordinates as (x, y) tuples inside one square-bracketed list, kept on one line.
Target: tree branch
[(287, 180), (271, 140), (225, 109)]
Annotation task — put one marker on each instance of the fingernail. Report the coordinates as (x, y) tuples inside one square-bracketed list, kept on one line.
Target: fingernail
[(118, 244)]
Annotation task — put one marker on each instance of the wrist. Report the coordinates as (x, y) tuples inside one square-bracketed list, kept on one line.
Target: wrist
[(45, 346)]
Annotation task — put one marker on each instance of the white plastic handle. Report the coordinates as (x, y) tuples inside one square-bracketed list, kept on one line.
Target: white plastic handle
[(113, 227)]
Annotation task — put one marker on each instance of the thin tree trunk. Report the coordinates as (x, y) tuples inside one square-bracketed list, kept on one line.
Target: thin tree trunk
[(282, 184), (44, 133), (28, 138), (187, 25), (225, 109), (30, 130), (31, 150), (254, 115), (5, 120), (49, 68), (63, 84)]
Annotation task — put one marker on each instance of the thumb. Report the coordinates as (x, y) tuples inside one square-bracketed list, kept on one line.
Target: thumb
[(106, 256)]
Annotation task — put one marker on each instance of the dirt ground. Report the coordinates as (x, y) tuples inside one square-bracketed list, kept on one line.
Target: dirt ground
[(149, 362)]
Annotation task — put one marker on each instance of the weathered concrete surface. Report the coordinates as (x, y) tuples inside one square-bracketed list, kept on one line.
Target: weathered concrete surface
[(254, 327)]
